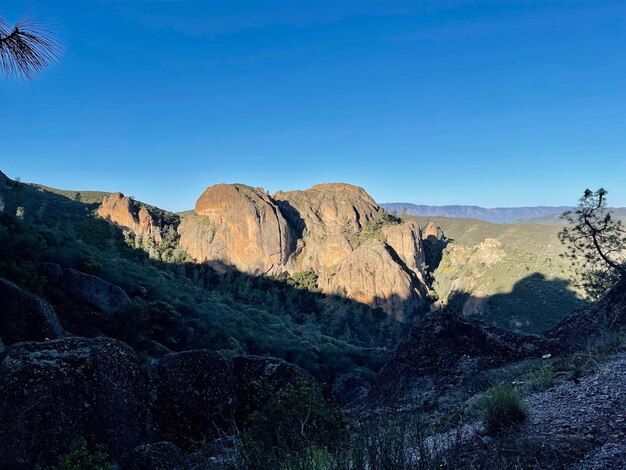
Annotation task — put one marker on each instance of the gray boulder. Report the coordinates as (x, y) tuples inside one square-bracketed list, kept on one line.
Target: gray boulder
[(193, 396), (92, 290), (25, 317), (56, 392)]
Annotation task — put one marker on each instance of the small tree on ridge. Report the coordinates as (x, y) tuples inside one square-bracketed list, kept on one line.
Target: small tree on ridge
[(596, 243)]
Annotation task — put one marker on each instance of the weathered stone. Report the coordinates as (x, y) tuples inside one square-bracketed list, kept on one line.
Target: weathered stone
[(127, 213), (193, 396), (257, 379), (92, 290), (25, 317), (56, 392), (238, 226), (406, 240), (325, 216), (442, 349), (371, 275), (432, 232)]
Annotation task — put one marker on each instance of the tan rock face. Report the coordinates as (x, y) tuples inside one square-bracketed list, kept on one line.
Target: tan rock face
[(326, 216), (371, 275), (434, 231), (406, 240), (124, 212), (240, 226)]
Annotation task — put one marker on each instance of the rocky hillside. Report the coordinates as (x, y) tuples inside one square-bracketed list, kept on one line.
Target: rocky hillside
[(335, 232), (509, 275)]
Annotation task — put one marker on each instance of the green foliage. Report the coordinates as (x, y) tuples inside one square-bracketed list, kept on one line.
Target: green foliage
[(81, 458), (541, 379), (297, 425), (304, 280), (502, 407), (373, 229), (23, 275)]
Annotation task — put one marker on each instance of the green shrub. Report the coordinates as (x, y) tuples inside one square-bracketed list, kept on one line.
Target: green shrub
[(541, 379), (503, 407), (80, 458), (296, 426), (304, 280)]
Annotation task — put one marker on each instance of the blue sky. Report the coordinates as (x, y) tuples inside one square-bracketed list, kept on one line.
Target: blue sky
[(493, 103)]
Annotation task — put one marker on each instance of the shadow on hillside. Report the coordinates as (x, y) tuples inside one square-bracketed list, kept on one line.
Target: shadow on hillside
[(534, 305), (183, 305), (433, 250)]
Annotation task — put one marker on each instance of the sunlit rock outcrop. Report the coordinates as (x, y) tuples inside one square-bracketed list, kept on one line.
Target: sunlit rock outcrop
[(335, 230), (239, 226), (126, 213)]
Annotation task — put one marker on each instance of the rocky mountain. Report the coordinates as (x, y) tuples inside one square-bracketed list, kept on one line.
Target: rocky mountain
[(337, 232), (497, 214)]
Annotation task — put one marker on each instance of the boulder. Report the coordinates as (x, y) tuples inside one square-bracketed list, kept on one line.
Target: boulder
[(257, 379), (92, 290), (25, 317), (371, 275), (445, 351), (56, 392), (238, 226), (193, 396), (157, 456)]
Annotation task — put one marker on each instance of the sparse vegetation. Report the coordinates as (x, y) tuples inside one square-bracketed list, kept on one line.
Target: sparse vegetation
[(502, 407), (527, 287), (296, 429)]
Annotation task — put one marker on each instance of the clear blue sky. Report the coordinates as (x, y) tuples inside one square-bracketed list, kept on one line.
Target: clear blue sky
[(494, 103)]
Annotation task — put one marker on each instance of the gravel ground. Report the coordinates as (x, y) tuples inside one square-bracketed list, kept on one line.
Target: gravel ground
[(591, 412)]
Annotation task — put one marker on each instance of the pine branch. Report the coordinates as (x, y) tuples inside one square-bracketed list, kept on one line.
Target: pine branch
[(27, 48)]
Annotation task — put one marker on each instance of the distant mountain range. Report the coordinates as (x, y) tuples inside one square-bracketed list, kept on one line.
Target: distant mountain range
[(498, 214)]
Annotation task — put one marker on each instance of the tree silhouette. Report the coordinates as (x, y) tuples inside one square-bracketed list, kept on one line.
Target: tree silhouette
[(27, 47), (596, 243)]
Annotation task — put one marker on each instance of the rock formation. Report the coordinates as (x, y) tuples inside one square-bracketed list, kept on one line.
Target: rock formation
[(327, 217), (335, 230), (446, 352), (25, 317), (372, 275), (127, 213), (236, 225), (257, 379), (53, 393), (194, 396), (96, 292), (406, 240)]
